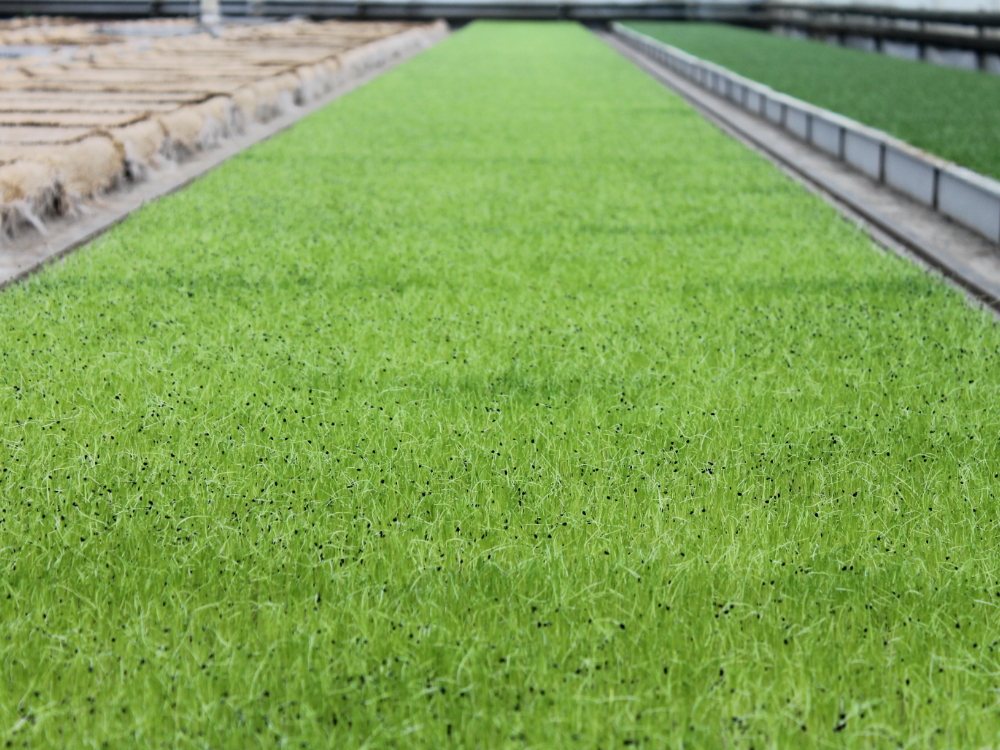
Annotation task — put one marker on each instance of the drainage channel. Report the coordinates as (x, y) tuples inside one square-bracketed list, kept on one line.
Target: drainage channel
[(894, 220)]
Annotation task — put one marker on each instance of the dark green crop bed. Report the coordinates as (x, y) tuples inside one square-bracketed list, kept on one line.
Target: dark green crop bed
[(949, 112), (504, 403)]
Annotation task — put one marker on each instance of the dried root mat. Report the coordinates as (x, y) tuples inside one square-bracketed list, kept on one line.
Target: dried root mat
[(83, 120)]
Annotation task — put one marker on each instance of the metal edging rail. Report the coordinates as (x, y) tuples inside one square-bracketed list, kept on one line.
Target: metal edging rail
[(889, 230), (969, 198)]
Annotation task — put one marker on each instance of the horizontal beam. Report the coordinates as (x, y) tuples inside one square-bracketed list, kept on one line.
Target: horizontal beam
[(966, 18), (921, 27), (942, 39), (583, 11)]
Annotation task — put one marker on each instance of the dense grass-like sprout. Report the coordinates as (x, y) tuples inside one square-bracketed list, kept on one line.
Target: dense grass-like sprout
[(503, 403), (947, 111)]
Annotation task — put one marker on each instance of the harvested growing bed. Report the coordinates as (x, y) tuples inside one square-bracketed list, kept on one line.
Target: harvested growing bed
[(99, 104)]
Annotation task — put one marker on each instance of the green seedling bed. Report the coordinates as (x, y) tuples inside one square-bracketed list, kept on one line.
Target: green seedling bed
[(503, 403)]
